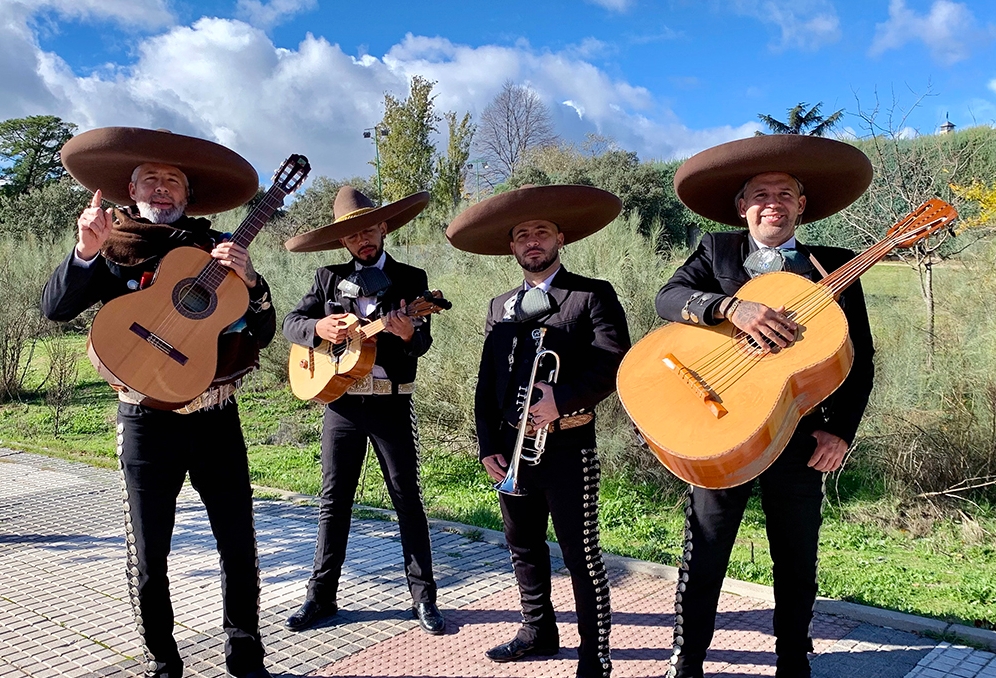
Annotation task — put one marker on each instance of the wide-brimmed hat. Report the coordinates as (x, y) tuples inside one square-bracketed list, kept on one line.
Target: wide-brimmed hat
[(833, 174), (353, 212), (578, 211), (220, 179)]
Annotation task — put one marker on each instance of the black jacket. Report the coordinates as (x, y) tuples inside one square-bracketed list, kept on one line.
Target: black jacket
[(398, 358), (716, 267), (587, 329)]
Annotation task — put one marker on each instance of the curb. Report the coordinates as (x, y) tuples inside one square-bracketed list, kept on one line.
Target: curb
[(900, 621)]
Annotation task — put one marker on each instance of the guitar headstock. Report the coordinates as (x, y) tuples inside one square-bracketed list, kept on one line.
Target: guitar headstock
[(292, 173), (926, 219), (426, 304)]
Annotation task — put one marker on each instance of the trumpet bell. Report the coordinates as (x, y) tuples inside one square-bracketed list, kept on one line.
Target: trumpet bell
[(510, 486)]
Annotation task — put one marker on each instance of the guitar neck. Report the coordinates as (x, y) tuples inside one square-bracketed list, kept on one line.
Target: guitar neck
[(844, 277), (370, 329)]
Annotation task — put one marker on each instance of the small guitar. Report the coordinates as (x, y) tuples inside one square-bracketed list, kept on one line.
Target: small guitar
[(325, 372), (715, 407), (160, 344)]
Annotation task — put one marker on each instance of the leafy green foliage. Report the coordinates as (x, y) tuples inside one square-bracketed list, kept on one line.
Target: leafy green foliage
[(801, 121), (451, 169), (29, 151), (48, 212), (407, 155)]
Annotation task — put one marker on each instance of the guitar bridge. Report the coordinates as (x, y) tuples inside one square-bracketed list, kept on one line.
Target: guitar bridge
[(701, 390), (159, 343)]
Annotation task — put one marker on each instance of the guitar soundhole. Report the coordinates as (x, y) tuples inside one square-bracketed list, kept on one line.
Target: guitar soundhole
[(192, 300)]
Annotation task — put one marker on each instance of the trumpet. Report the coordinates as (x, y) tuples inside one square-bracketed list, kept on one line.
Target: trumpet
[(529, 446)]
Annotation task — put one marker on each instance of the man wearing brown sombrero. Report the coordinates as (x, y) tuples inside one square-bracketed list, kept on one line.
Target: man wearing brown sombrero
[(379, 408), (770, 184), (164, 180), (582, 321)]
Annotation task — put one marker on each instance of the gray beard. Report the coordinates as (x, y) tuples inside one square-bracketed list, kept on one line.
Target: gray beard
[(158, 216)]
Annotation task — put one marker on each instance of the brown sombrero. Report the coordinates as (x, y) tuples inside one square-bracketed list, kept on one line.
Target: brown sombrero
[(220, 179), (833, 174), (578, 212), (353, 212)]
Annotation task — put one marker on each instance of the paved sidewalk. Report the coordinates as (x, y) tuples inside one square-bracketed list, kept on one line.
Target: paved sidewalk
[(64, 607)]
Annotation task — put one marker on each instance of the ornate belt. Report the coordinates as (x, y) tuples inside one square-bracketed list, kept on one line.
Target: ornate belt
[(371, 385), (561, 424)]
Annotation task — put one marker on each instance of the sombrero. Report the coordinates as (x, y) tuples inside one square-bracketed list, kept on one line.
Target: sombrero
[(833, 174), (220, 179), (353, 212), (578, 211)]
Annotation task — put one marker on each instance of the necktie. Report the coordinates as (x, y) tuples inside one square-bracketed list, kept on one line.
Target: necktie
[(531, 303), (796, 262)]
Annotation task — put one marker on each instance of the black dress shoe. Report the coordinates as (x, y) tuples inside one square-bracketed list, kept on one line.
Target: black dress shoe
[(429, 618), (309, 614), (516, 649)]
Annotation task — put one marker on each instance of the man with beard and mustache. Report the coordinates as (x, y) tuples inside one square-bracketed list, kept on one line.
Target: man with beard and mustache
[(117, 252), (379, 407), (582, 321)]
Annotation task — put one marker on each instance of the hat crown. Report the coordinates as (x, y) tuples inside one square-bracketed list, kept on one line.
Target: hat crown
[(348, 201)]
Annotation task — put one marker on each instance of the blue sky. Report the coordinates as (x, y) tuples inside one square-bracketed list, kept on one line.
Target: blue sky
[(664, 78)]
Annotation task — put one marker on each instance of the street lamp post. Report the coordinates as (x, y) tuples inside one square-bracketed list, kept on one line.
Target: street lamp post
[(375, 133), (476, 165)]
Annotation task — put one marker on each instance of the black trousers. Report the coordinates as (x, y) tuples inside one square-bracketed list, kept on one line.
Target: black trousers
[(564, 487), (156, 450), (792, 500), (388, 421)]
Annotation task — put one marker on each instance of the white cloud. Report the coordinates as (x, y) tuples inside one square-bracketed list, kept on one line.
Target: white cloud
[(269, 14), (949, 30), (225, 80), (992, 84), (147, 14), (613, 5), (803, 24)]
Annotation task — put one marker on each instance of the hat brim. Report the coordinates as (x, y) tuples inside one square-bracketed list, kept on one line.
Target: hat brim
[(220, 179), (833, 174), (395, 215), (578, 211)]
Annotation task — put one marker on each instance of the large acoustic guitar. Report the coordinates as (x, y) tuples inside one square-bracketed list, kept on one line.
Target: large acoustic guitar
[(325, 372), (715, 407), (160, 344)]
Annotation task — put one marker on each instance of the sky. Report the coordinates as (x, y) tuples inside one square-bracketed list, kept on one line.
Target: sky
[(664, 78)]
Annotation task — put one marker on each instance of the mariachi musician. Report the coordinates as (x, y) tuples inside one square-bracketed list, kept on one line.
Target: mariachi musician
[(165, 180), (767, 184), (581, 320), (380, 407)]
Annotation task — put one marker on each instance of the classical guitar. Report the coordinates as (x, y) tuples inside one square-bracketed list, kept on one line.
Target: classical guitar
[(160, 344), (717, 408), (325, 372)]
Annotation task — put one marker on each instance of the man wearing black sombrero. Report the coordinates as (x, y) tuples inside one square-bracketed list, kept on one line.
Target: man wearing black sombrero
[(163, 181), (379, 408), (768, 184), (582, 321)]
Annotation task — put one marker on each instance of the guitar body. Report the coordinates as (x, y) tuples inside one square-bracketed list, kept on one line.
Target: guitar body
[(326, 372), (162, 342), (764, 397)]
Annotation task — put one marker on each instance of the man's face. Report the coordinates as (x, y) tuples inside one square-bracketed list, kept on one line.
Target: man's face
[(536, 245), (367, 245), (159, 191), (772, 205)]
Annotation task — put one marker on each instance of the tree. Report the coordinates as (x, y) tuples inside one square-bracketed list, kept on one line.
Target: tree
[(515, 122), (451, 170), (801, 121), (29, 149), (407, 155), (47, 213)]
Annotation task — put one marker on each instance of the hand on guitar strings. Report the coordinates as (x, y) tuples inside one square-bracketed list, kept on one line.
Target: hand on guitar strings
[(398, 323), (767, 327), (495, 466), (829, 454), (94, 226), (236, 257), (335, 327)]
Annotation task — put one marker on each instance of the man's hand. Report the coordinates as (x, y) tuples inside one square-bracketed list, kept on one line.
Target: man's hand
[(236, 257), (335, 328), (495, 466), (770, 328), (94, 226), (829, 454), (544, 410), (399, 324)]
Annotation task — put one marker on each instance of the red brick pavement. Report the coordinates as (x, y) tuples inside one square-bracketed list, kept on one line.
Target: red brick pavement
[(641, 638)]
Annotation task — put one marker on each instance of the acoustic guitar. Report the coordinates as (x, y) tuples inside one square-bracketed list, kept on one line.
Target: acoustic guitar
[(717, 408), (160, 344), (325, 372)]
